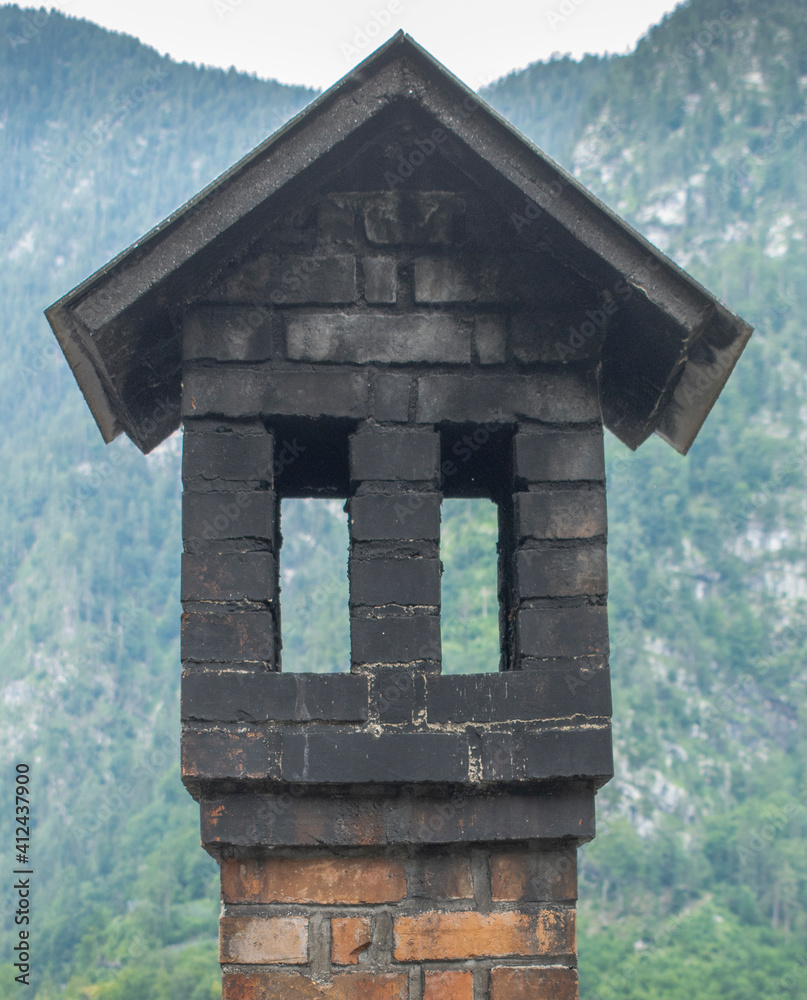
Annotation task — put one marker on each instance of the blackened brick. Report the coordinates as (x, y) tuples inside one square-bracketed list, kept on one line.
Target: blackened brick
[(440, 877), (229, 576), (553, 691), (314, 394), (388, 338), (561, 514), (395, 695), (490, 339), (293, 280), (394, 454), (502, 755), (246, 392), (404, 516), (547, 755), (449, 279), (561, 572), (561, 397), (209, 518), (336, 215), (223, 333), (254, 820), (380, 279), (569, 753), (374, 582), (229, 696), (542, 335), (537, 876), (430, 217), (558, 456), (395, 640), (391, 398), (550, 632), (324, 756), (227, 455), (234, 637), (236, 754)]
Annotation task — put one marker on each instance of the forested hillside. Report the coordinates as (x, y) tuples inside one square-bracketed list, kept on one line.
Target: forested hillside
[(697, 882)]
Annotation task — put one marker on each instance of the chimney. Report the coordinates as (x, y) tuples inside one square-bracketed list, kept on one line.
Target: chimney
[(394, 300)]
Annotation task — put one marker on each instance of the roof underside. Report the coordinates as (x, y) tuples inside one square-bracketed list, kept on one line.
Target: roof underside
[(664, 363)]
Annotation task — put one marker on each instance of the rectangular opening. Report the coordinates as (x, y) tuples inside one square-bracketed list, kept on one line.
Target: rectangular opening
[(315, 624), (469, 534), (311, 457), (475, 460)]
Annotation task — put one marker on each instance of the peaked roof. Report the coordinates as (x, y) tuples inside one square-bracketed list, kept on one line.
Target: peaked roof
[(665, 361)]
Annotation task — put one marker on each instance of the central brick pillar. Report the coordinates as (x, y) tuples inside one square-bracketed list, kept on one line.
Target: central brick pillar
[(394, 549), (469, 923)]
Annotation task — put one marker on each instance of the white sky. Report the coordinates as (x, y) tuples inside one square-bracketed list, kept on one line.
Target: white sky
[(316, 42)]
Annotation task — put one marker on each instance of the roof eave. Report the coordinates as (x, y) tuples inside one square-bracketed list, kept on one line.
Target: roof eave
[(87, 367)]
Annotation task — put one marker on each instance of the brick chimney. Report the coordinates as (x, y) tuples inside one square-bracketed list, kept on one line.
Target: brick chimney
[(396, 300)]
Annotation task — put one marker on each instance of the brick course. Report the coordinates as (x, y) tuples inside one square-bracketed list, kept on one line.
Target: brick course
[(390, 339), (448, 986), (263, 940), (537, 876), (443, 936), (261, 985), (350, 938), (232, 637), (348, 881), (533, 984)]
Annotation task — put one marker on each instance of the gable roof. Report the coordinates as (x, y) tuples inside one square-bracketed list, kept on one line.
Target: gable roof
[(665, 361)]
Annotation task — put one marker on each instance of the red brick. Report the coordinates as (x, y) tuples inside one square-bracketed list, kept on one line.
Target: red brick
[(350, 936), (533, 984), (539, 876), (448, 986), (294, 986), (313, 880), (263, 940), (437, 936)]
